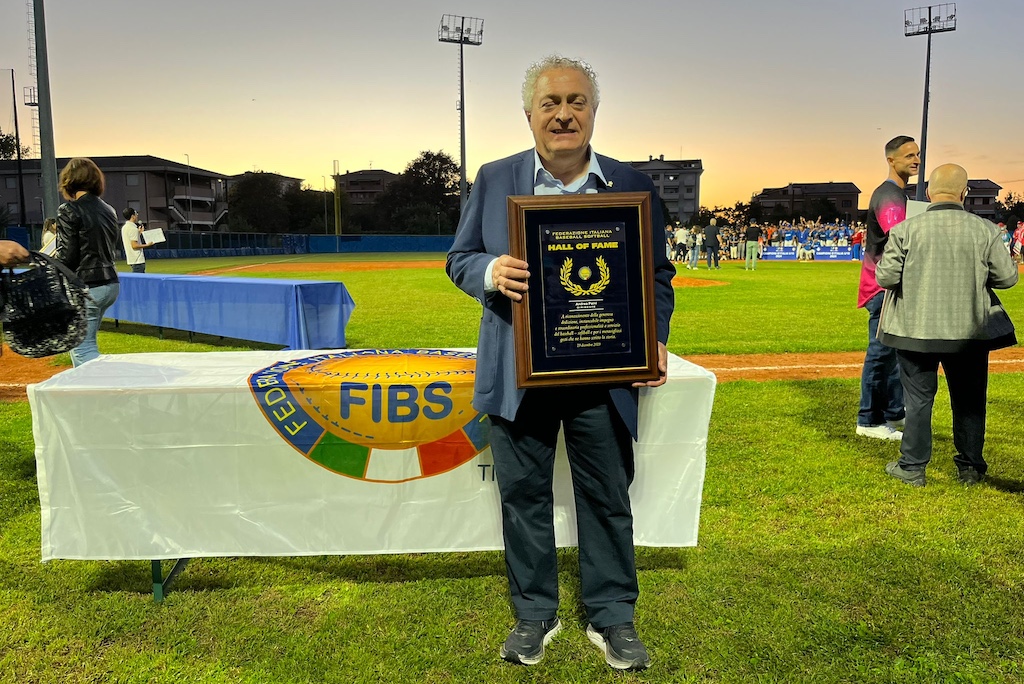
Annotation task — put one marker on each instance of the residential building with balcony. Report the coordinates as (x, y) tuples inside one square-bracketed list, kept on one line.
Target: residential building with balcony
[(363, 187), (167, 194), (801, 199), (677, 181), (981, 197)]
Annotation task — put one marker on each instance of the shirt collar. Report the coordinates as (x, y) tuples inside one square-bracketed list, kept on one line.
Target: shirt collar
[(542, 176), (940, 206)]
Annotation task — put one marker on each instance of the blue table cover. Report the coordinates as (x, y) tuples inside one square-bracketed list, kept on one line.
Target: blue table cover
[(302, 314)]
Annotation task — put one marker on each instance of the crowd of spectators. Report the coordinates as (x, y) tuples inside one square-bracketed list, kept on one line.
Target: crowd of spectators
[(1013, 237), (686, 244)]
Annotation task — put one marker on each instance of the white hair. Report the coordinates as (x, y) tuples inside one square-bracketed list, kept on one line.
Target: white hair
[(557, 62)]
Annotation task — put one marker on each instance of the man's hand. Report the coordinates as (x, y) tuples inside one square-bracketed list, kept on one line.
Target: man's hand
[(662, 368), (12, 253), (509, 276)]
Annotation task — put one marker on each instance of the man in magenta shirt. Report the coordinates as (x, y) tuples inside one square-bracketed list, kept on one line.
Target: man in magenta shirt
[(882, 411)]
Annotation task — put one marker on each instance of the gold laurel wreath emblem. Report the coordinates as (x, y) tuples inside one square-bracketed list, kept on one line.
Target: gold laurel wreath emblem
[(565, 277)]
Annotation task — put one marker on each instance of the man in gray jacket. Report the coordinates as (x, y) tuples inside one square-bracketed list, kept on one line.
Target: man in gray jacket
[(939, 269)]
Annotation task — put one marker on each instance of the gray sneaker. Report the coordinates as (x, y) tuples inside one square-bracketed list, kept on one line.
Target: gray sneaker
[(914, 478), (879, 432), (897, 424), (621, 646), (969, 476), (525, 644)]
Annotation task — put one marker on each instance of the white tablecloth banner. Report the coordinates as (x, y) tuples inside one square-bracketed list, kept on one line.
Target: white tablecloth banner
[(156, 456)]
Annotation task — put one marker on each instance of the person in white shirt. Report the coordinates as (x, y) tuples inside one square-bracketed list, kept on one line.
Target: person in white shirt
[(131, 237), (49, 236)]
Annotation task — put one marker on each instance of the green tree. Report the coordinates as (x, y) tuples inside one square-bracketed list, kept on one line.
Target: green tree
[(755, 211), (1011, 205), (424, 199), (9, 146), (256, 204), (306, 210)]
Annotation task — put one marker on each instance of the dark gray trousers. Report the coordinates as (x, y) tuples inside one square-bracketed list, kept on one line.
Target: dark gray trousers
[(600, 453), (967, 379)]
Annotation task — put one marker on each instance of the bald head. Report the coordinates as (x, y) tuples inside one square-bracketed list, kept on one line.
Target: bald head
[(948, 183)]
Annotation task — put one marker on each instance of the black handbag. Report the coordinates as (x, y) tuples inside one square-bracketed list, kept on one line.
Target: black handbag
[(43, 308)]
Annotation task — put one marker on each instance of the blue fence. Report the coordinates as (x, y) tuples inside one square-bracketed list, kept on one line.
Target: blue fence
[(320, 244), (181, 245), (185, 245)]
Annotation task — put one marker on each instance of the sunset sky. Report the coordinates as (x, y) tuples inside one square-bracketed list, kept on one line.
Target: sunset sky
[(764, 93)]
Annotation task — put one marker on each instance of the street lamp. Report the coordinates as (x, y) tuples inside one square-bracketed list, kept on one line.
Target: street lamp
[(926, 21), (188, 191), (464, 31)]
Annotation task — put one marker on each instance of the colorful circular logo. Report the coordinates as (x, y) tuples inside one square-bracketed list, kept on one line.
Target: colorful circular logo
[(380, 415)]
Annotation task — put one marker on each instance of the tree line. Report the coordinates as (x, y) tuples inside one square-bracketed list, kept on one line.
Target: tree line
[(422, 200)]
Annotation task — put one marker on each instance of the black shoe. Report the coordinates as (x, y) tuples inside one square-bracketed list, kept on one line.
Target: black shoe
[(525, 645), (969, 476), (622, 648), (914, 478)]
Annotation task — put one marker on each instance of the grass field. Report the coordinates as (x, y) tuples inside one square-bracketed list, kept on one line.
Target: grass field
[(813, 566)]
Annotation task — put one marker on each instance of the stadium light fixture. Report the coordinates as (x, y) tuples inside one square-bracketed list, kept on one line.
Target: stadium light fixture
[(464, 31), (926, 21)]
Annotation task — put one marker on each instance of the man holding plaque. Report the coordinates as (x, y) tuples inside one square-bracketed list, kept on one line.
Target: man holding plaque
[(560, 99)]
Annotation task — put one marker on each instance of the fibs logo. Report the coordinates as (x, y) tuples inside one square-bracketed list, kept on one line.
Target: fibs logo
[(381, 415)]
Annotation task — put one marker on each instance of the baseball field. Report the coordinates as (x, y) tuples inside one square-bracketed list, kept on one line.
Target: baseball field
[(812, 566)]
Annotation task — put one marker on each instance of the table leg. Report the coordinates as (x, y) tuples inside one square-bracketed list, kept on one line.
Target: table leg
[(161, 584)]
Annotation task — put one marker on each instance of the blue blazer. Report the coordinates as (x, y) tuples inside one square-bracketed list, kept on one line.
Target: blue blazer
[(483, 235)]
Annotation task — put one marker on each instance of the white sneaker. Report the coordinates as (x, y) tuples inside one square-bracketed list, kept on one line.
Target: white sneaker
[(879, 432), (897, 424)]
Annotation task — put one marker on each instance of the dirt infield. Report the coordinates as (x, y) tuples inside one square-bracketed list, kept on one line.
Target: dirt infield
[(16, 372)]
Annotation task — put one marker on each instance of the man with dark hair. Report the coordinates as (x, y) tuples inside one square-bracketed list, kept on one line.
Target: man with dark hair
[(599, 422), (752, 237), (131, 240), (882, 413), (940, 269)]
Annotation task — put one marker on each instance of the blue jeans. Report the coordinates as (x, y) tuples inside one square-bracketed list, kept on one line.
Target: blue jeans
[(101, 297), (881, 394), (712, 252), (694, 257), (139, 268)]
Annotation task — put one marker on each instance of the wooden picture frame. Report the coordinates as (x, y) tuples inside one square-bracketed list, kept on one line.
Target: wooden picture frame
[(588, 316)]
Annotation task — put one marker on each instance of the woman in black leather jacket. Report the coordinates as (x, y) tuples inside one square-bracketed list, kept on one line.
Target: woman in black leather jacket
[(87, 234)]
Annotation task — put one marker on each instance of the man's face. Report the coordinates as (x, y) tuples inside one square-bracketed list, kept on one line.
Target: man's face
[(562, 114), (907, 160)]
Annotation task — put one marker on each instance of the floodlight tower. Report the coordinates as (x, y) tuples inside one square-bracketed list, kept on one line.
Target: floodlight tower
[(926, 21), (464, 31), (47, 152)]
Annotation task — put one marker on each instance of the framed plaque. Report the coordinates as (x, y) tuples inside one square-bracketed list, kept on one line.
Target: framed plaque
[(588, 315)]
